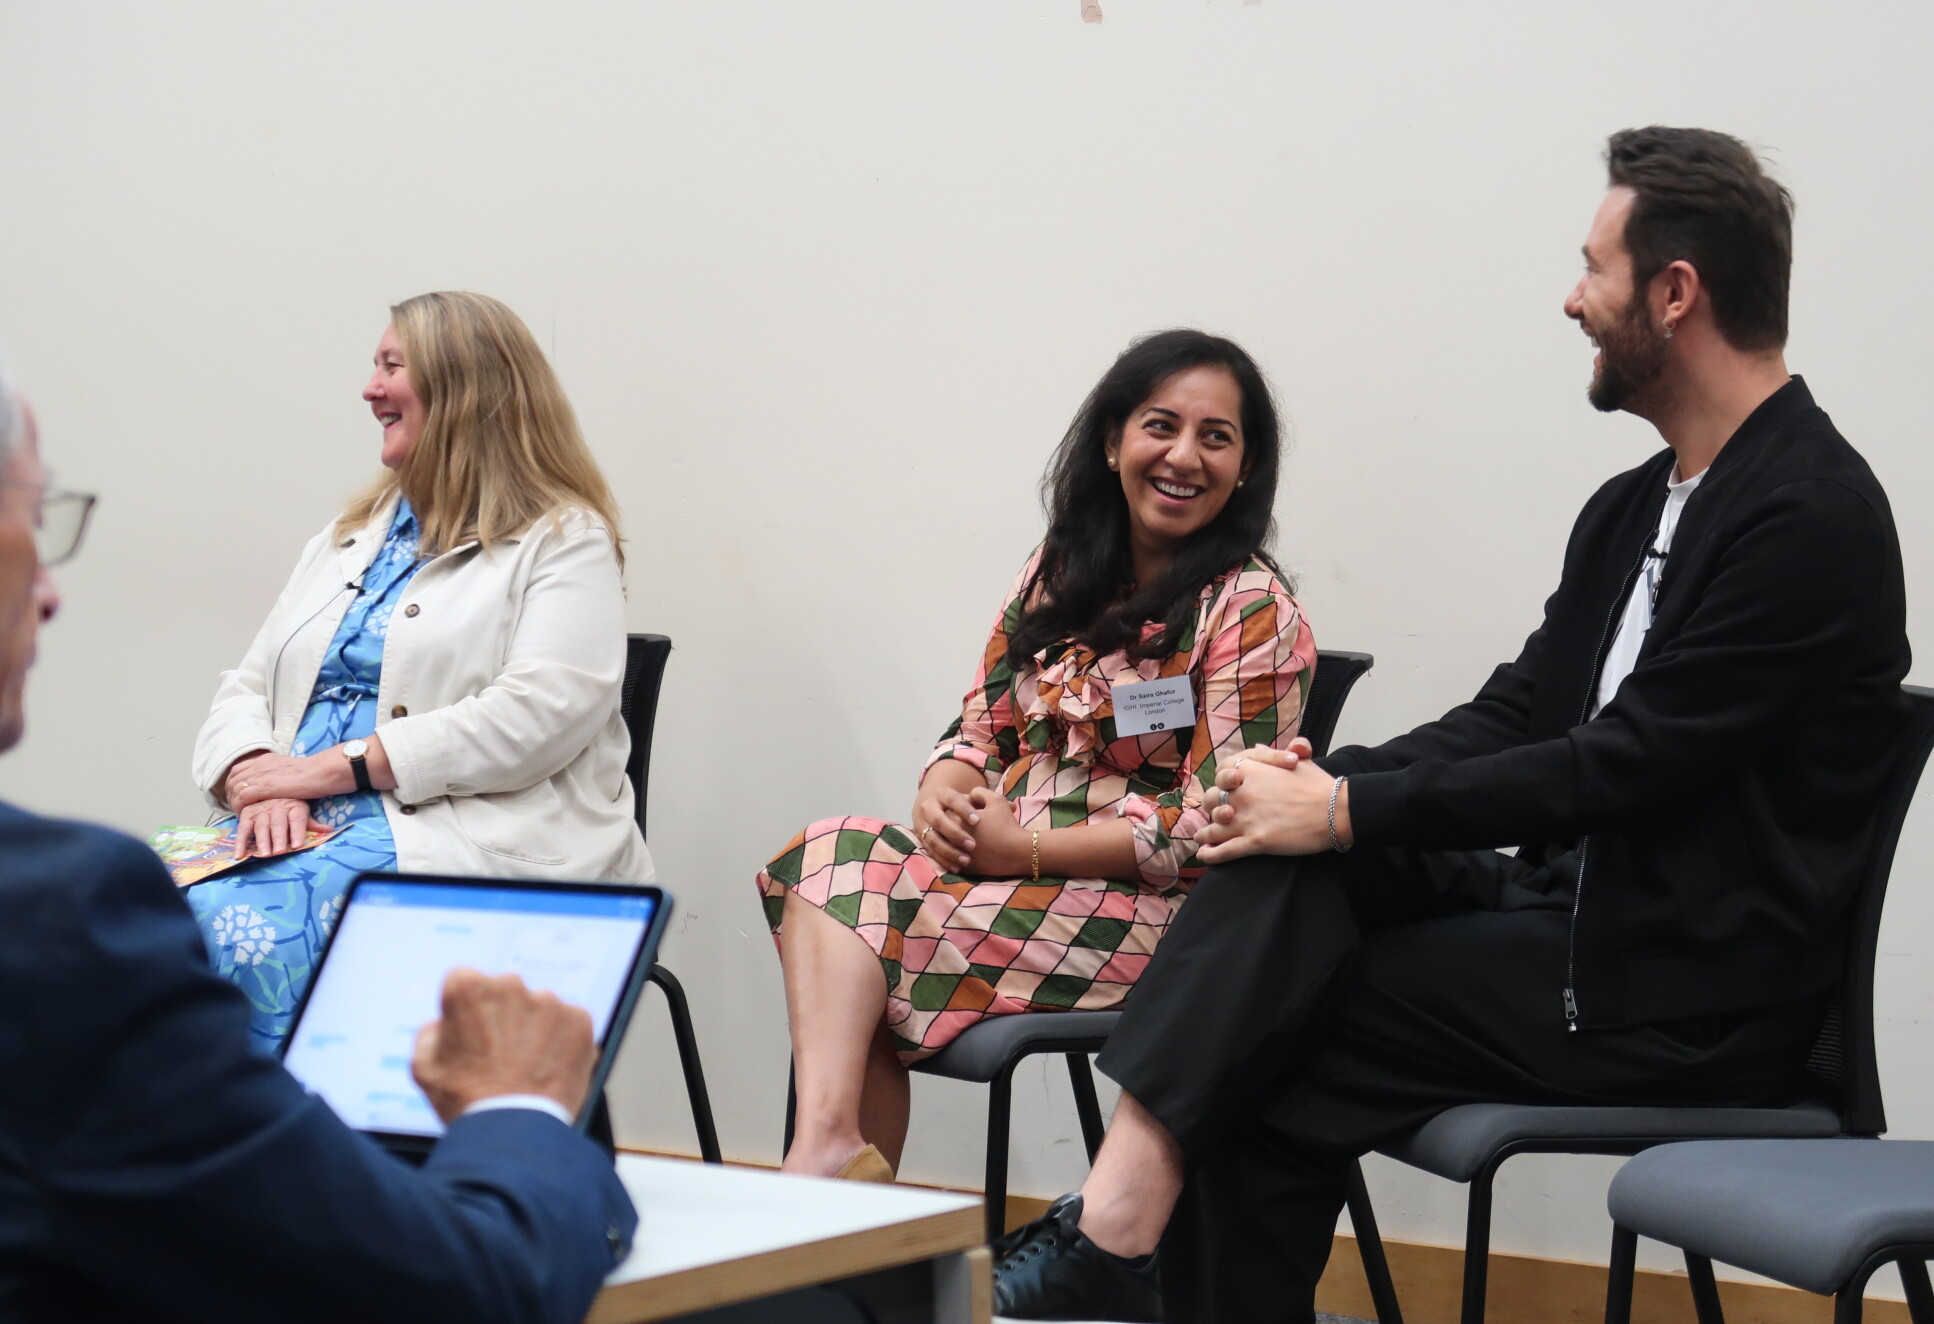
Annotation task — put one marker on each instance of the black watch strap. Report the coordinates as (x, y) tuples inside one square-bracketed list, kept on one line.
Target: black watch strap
[(359, 768)]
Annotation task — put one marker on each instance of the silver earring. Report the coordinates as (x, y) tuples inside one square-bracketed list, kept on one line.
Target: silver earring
[(1668, 330)]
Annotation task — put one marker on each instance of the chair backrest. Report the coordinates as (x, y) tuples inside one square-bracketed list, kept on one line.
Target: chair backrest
[(1336, 673), (1843, 1061), (645, 656)]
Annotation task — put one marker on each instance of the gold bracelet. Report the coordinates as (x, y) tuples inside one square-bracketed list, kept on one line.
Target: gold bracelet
[(1037, 856)]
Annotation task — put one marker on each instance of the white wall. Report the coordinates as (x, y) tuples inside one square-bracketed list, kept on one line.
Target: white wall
[(826, 281)]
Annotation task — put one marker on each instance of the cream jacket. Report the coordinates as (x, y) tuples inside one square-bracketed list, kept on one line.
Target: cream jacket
[(498, 705)]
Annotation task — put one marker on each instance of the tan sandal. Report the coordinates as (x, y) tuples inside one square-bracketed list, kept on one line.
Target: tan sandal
[(867, 1165)]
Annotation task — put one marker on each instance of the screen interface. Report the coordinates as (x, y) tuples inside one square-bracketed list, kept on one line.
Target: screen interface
[(383, 980)]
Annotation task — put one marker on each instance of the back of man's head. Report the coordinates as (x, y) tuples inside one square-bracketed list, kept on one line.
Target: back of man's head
[(13, 419), (27, 594), (1704, 198)]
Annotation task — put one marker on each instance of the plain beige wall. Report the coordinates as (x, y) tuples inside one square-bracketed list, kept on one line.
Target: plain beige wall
[(826, 282)]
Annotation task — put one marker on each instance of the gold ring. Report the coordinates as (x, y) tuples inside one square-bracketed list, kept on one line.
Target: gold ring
[(241, 786)]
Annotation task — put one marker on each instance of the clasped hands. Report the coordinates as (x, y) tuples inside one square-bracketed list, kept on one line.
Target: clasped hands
[(973, 831), (1272, 802), (270, 794)]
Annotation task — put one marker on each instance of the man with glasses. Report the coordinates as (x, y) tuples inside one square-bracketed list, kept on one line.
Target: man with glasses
[(62, 519), (152, 1166)]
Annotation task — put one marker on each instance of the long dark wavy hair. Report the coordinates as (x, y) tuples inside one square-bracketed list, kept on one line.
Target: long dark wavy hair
[(1086, 562)]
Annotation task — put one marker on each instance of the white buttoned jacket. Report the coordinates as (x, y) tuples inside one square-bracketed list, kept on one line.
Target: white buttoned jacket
[(498, 705)]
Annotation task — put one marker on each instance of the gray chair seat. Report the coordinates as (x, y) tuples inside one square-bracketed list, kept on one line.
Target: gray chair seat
[(1819, 1209), (1459, 1143), (983, 1051)]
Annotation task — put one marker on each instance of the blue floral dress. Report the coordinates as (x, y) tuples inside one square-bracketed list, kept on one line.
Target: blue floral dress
[(265, 923)]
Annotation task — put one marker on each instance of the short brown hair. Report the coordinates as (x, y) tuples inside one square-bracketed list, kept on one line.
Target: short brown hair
[(1703, 198)]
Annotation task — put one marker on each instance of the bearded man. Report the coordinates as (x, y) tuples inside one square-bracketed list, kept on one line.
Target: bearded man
[(1684, 755)]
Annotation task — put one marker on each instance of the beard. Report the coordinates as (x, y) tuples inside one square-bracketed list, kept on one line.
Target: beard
[(1632, 357)]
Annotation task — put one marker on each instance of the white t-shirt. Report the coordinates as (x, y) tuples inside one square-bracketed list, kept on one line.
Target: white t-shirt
[(1637, 619)]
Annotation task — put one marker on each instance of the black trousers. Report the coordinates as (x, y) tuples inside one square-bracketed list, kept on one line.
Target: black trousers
[(1300, 1013)]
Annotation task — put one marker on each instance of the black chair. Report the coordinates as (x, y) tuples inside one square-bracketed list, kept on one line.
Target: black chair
[(1470, 1142), (645, 657), (988, 1053)]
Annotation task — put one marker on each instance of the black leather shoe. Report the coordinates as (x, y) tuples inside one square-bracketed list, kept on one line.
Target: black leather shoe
[(1049, 1270)]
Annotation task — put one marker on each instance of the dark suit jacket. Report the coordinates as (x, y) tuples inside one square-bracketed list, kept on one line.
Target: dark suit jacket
[(153, 1168), (1716, 815)]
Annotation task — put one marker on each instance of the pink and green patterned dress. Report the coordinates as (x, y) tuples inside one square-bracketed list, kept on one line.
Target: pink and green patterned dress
[(957, 950)]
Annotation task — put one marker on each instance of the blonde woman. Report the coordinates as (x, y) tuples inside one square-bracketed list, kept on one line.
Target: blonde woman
[(439, 681)]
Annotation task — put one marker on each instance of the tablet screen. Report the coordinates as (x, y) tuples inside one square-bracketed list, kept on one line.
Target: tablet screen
[(382, 978)]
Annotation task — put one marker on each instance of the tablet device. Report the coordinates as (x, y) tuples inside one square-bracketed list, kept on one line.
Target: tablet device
[(380, 980)]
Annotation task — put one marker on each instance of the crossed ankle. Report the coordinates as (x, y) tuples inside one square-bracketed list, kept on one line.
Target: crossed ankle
[(822, 1153), (1117, 1231)]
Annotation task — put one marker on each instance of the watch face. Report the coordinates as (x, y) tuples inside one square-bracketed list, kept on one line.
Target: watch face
[(355, 749)]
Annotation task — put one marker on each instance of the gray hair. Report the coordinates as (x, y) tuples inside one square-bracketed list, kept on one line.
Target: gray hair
[(12, 420)]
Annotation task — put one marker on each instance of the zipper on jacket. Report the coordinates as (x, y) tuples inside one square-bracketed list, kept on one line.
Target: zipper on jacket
[(1585, 842), (1571, 940)]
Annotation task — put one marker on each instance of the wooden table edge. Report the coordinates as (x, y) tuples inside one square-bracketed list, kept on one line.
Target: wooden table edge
[(785, 1268)]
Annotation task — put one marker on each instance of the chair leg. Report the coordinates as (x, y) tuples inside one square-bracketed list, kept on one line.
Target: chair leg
[(1851, 1299), (1618, 1283), (681, 1013), (792, 1110), (1920, 1295), (1000, 1091), (1082, 1077), (599, 1127), (1477, 1246), (1369, 1245), (1705, 1290)]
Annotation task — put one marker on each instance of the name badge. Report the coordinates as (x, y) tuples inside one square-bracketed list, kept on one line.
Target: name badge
[(1154, 705)]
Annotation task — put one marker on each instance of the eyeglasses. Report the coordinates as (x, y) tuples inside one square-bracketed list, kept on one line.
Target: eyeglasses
[(60, 522)]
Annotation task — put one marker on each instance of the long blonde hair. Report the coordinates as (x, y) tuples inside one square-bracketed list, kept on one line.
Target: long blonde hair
[(500, 447)]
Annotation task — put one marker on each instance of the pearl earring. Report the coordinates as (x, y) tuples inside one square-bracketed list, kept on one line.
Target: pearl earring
[(1113, 464)]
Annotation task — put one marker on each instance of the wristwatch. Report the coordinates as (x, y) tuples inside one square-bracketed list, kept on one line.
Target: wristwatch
[(357, 752)]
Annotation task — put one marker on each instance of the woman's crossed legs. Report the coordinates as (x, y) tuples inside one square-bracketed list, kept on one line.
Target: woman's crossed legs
[(851, 1089)]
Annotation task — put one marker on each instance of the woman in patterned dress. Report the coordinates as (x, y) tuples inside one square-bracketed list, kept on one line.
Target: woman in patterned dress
[(439, 682), (1052, 838)]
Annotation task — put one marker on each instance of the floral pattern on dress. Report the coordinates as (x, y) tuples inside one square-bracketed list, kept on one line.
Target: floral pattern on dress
[(333, 811), (293, 901), (244, 933)]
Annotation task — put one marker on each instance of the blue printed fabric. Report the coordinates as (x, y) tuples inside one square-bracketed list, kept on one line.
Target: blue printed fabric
[(265, 923)]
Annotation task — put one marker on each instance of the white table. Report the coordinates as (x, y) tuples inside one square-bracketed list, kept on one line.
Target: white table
[(713, 1236)]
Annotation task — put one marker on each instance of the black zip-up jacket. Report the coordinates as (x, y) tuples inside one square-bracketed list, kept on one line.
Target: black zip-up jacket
[(1720, 805)]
